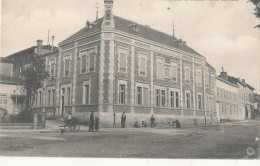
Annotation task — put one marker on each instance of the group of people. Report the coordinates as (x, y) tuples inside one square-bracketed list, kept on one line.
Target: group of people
[(123, 120)]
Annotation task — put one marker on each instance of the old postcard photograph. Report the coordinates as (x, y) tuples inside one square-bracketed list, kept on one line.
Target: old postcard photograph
[(139, 79)]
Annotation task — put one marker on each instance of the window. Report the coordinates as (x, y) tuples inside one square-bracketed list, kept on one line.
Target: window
[(177, 99), (157, 98), (121, 94), (174, 71), (198, 77), (199, 101), (91, 61), (68, 96), (142, 95), (66, 92), (86, 96), (36, 99), (40, 100), (163, 97), (122, 60), (207, 79), (142, 64), (53, 97), (187, 74), (160, 68), (167, 72), (49, 98), (66, 67), (139, 95), (187, 100), (172, 99), (218, 91), (83, 63), (52, 67), (88, 59)]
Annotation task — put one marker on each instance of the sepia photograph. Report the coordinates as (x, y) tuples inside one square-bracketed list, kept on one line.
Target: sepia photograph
[(121, 79)]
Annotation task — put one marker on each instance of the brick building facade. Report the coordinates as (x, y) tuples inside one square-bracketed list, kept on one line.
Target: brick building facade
[(114, 65)]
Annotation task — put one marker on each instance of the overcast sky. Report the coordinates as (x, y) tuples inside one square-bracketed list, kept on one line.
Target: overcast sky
[(222, 31)]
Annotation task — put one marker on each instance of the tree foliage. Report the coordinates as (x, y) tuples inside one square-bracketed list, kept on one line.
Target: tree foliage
[(33, 75), (256, 10)]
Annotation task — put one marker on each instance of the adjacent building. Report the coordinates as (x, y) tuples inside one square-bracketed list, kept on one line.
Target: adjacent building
[(234, 98)]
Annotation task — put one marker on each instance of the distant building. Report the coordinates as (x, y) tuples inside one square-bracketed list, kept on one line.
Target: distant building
[(234, 98), (256, 105)]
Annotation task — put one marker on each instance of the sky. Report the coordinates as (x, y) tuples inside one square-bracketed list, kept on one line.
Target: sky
[(222, 31)]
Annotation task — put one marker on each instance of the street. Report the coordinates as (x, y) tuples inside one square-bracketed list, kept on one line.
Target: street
[(238, 140)]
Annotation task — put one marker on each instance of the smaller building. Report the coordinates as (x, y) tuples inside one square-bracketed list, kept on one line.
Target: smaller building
[(256, 102), (234, 98), (12, 96), (6, 67)]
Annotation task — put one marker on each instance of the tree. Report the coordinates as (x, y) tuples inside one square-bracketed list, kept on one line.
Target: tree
[(33, 75), (256, 10)]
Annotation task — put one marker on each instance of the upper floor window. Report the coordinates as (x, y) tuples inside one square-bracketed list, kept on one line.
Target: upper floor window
[(122, 60), (198, 77), (66, 60), (187, 74), (142, 64), (206, 79), (160, 68), (174, 67), (52, 67), (88, 59)]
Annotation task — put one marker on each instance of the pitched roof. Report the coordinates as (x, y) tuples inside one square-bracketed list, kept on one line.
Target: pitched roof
[(146, 32), (150, 34), (85, 30), (208, 65)]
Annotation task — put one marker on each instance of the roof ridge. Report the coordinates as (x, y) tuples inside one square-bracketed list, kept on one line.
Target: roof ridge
[(146, 26)]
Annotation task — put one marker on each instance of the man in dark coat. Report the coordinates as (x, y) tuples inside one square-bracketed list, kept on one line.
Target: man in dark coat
[(152, 121), (123, 119), (91, 122)]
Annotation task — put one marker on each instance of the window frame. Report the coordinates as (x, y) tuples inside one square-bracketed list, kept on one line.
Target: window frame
[(87, 52), (145, 57), (176, 104), (142, 94), (65, 58), (186, 99), (85, 83), (122, 82), (122, 50), (187, 67), (174, 64)]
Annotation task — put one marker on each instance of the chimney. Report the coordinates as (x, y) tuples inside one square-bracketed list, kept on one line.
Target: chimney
[(39, 46), (52, 43), (223, 74), (244, 81)]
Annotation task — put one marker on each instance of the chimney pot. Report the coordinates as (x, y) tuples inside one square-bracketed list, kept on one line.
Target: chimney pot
[(52, 44), (39, 46), (244, 81)]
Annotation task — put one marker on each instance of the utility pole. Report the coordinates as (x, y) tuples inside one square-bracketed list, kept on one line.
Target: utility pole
[(97, 7)]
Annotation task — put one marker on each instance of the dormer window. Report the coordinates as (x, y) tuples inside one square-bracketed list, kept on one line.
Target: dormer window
[(90, 25), (180, 42), (134, 26)]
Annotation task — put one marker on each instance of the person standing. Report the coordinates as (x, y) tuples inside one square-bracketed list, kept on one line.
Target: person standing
[(152, 120), (123, 120), (96, 124), (91, 122)]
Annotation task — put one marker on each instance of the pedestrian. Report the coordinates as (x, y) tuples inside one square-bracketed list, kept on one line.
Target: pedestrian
[(136, 125), (152, 121), (96, 124), (91, 122), (123, 120)]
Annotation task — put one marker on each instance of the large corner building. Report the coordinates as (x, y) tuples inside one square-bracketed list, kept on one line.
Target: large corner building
[(114, 65)]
